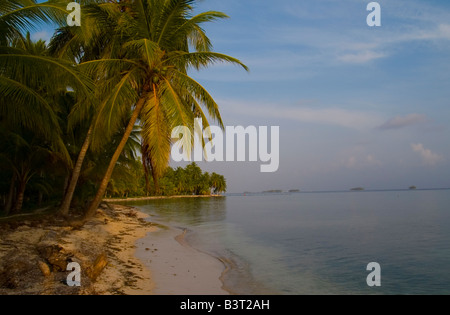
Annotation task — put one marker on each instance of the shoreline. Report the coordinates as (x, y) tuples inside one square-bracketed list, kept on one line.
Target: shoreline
[(112, 200), (133, 256), (177, 267)]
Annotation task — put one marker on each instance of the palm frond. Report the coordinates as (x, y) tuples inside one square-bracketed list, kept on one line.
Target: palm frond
[(156, 134), (25, 107), (196, 35), (201, 59), (19, 16), (198, 92), (14, 64)]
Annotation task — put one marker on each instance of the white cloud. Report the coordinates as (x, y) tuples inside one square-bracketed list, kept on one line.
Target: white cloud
[(404, 121), (428, 157), (444, 30), (348, 43), (361, 57), (358, 162), (358, 157), (328, 116)]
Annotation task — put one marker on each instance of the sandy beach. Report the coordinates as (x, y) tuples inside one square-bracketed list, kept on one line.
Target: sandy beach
[(120, 253), (177, 268)]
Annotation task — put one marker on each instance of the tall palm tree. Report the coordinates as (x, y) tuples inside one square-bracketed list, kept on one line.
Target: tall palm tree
[(31, 84), (82, 44), (147, 70), (21, 69)]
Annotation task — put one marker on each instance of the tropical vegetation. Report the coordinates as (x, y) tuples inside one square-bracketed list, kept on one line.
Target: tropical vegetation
[(91, 112), (187, 181)]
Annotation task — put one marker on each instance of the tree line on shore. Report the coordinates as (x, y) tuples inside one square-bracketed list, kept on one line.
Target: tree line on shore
[(91, 112), (187, 181)]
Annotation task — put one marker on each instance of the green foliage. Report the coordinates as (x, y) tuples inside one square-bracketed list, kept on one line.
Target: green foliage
[(129, 181), (191, 181), (78, 96)]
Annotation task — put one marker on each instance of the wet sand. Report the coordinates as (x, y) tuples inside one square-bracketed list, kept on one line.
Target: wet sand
[(177, 268)]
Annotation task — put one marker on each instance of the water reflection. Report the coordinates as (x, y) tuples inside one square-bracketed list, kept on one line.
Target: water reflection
[(320, 243), (191, 211)]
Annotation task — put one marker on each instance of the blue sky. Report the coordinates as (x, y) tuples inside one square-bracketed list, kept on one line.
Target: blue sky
[(356, 106)]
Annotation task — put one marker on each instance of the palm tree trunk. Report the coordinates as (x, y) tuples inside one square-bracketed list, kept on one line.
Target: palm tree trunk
[(20, 195), (104, 184), (66, 184), (9, 200), (65, 206), (155, 177), (144, 165)]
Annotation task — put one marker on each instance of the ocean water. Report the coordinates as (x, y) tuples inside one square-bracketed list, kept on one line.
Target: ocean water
[(320, 243)]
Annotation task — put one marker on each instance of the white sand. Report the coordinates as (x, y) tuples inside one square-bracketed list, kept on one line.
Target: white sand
[(177, 268)]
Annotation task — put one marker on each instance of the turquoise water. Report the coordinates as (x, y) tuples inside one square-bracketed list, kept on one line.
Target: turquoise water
[(321, 243)]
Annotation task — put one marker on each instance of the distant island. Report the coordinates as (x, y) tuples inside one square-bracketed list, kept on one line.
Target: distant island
[(294, 191), (272, 191), (357, 189), (412, 188)]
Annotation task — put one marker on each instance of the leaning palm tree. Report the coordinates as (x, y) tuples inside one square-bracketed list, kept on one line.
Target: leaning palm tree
[(89, 42), (146, 69)]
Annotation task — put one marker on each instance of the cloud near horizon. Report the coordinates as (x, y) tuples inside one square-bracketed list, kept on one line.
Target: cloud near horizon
[(428, 157), (399, 122)]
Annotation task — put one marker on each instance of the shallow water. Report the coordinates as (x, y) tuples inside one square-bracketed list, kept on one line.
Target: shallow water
[(321, 243)]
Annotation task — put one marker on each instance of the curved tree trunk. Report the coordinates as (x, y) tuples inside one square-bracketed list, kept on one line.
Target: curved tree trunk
[(104, 184), (65, 206), (9, 200)]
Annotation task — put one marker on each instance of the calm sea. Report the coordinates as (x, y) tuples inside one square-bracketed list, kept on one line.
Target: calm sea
[(321, 243)]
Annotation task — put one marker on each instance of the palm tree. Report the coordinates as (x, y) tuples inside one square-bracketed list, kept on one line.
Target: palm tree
[(82, 44), (146, 70), (28, 75), (31, 84), (21, 67), (27, 155), (218, 183)]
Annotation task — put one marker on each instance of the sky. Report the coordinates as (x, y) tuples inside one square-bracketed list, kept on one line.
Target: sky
[(357, 106)]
